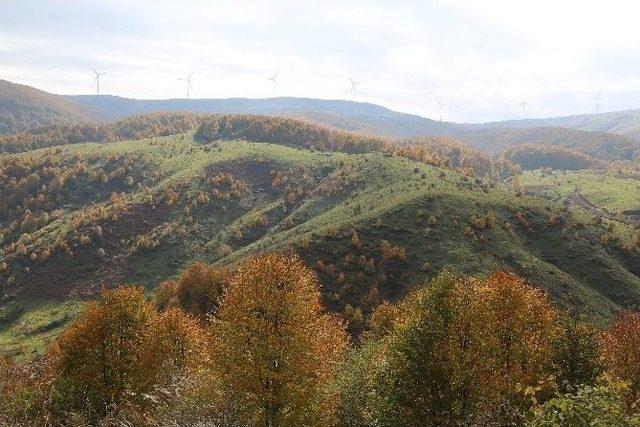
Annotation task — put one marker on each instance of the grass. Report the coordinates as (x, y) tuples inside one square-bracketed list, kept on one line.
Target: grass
[(426, 210), (602, 188), (28, 325)]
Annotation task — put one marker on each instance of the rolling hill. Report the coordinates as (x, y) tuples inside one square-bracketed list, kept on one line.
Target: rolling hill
[(23, 108), (372, 224), (599, 145), (626, 123)]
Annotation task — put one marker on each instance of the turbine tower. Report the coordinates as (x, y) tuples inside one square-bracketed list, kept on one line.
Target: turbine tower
[(274, 81), (97, 80), (441, 106), (597, 100), (187, 81), (523, 105), (354, 85)]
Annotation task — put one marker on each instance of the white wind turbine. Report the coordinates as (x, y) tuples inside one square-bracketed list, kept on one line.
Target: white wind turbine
[(274, 82), (597, 100), (97, 80), (523, 105), (354, 85), (187, 81), (441, 106)]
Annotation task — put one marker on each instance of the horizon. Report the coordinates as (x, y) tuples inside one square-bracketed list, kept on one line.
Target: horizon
[(481, 60), (332, 100)]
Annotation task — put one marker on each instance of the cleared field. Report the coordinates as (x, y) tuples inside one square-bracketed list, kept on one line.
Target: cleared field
[(602, 188)]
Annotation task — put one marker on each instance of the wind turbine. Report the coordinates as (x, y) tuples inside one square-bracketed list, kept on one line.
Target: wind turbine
[(97, 80), (187, 81), (441, 106), (597, 99), (354, 84), (523, 105), (274, 81)]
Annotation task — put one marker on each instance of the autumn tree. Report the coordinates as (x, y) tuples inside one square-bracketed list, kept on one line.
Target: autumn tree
[(275, 350), (197, 291), (620, 350), (463, 350), (575, 350), (118, 350)]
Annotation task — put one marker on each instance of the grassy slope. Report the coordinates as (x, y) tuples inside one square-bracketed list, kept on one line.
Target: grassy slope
[(602, 188), (424, 209)]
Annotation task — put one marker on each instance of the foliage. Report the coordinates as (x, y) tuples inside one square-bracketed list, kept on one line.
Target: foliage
[(600, 405), (118, 352), (575, 350), (460, 348), (620, 349), (274, 350), (536, 156), (197, 291)]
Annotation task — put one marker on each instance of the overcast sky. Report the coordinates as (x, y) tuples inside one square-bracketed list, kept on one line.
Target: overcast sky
[(479, 57)]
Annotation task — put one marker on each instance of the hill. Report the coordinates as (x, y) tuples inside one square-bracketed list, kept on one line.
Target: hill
[(372, 224), (23, 108), (603, 146), (346, 115), (626, 123)]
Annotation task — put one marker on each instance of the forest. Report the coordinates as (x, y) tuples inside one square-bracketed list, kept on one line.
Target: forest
[(254, 345)]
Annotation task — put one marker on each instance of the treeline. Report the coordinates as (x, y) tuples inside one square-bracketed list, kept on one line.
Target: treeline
[(137, 127), (437, 151), (450, 152), (536, 156), (255, 346), (292, 132)]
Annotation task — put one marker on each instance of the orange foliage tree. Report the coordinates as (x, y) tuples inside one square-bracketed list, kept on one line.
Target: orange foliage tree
[(197, 291), (118, 350), (620, 350), (274, 349)]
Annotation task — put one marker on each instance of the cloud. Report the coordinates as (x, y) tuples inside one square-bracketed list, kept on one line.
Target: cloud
[(481, 57)]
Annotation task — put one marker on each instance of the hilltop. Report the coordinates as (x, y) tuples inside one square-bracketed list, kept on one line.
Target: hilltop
[(24, 107)]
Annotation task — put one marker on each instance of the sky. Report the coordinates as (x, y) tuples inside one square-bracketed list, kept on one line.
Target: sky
[(480, 58)]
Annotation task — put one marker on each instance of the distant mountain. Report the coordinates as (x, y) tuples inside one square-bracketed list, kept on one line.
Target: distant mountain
[(625, 123), (347, 115), (599, 145), (23, 107)]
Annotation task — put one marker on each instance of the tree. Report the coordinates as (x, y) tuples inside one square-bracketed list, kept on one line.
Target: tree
[(197, 291), (620, 350), (463, 350), (119, 351), (274, 350), (576, 354), (600, 405), (514, 325)]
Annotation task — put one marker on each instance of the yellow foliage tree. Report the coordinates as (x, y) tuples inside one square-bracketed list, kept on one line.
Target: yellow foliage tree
[(275, 350)]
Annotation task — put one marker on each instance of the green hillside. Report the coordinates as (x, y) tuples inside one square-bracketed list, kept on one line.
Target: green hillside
[(372, 225)]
